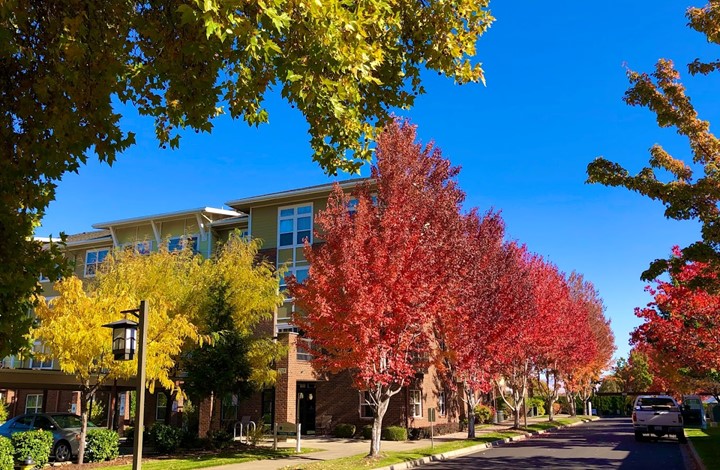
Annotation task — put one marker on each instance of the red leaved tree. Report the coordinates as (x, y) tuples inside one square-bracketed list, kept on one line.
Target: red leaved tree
[(384, 274), (682, 323), (466, 331)]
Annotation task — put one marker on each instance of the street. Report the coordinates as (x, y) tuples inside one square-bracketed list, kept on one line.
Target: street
[(606, 443)]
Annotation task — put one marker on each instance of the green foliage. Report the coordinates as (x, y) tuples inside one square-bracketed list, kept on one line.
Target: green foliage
[(3, 412), (165, 438), (101, 444), (367, 431), (98, 414), (219, 438), (394, 433), (483, 414), (536, 402), (7, 461), (183, 64), (344, 430), (34, 444), (255, 436)]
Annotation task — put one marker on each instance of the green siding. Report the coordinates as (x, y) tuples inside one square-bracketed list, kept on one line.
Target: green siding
[(264, 225)]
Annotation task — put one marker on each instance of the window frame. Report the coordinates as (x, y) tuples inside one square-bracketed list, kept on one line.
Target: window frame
[(182, 243), (415, 405), (96, 264), (294, 218), (38, 403), (442, 403), (41, 365), (158, 416), (365, 408)]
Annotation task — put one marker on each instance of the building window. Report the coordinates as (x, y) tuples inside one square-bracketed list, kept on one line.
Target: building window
[(93, 260), (229, 408), (441, 404), (294, 225), (300, 273), (416, 403), (303, 346), (366, 408), (33, 403), (179, 243), (142, 248), (36, 363), (161, 407), (268, 406)]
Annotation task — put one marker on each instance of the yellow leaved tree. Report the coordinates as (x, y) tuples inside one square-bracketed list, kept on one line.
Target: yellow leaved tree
[(177, 286)]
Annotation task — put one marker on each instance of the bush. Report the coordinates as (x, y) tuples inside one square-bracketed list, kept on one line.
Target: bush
[(344, 430), (438, 429), (6, 454), (101, 444), (394, 433), (367, 431), (254, 436), (165, 438), (218, 438), (3, 412), (483, 414), (34, 444)]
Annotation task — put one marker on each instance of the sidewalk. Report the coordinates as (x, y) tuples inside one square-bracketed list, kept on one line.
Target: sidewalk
[(335, 448)]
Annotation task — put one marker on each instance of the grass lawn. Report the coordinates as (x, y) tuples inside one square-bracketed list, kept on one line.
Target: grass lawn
[(707, 444), (359, 462), (210, 460)]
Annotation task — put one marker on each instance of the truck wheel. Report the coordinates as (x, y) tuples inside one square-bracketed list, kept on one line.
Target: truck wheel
[(638, 436), (681, 437)]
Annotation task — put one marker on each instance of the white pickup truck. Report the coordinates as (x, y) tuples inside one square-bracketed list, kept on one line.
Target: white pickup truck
[(658, 415)]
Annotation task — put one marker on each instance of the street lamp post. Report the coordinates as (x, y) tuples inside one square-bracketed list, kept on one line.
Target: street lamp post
[(124, 342)]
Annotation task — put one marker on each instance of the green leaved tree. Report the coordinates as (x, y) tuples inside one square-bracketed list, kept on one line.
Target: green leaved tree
[(66, 65), (685, 194)]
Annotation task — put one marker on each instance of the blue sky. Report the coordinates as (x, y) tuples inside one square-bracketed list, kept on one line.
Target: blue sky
[(553, 102)]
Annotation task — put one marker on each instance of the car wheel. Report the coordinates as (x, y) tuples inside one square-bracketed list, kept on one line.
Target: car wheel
[(638, 436), (62, 452), (681, 437)]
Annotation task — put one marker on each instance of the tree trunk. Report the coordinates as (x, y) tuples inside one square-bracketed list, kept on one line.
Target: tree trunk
[(86, 394), (380, 410), (471, 402)]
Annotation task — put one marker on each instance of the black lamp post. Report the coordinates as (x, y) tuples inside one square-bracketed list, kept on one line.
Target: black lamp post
[(125, 340)]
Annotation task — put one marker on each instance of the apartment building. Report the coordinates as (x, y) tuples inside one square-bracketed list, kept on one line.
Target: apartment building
[(281, 221)]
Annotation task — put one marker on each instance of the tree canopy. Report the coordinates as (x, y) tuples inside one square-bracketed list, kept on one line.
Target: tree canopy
[(684, 195), (68, 65)]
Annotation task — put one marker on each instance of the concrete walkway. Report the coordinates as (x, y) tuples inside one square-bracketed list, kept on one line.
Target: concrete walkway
[(335, 448)]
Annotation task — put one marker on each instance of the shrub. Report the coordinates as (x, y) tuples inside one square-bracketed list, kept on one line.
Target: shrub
[(483, 414), (101, 444), (218, 438), (254, 436), (344, 430), (6, 454), (165, 438), (394, 433), (3, 412), (34, 444), (438, 429), (367, 431)]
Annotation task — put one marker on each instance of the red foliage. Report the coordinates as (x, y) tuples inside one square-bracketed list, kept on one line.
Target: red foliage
[(683, 323), (385, 274)]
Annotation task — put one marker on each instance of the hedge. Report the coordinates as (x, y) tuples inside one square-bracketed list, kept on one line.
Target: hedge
[(6, 454), (394, 433), (34, 444), (438, 429), (344, 430), (166, 439), (101, 444)]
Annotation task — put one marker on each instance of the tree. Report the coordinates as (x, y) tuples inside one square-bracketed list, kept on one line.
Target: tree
[(465, 332), (380, 280), (179, 289), (680, 325), (684, 196), (242, 292), (67, 65)]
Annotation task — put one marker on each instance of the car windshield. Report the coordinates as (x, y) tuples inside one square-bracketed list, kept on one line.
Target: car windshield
[(70, 421)]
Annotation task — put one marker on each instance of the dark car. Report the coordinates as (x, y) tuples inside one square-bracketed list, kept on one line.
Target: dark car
[(65, 428)]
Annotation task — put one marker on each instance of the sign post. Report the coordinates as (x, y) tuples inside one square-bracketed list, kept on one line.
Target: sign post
[(431, 418)]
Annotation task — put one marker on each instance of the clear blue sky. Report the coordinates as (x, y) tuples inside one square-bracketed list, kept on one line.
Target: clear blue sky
[(553, 102)]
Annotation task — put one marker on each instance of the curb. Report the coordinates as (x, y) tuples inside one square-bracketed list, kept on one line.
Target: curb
[(473, 449)]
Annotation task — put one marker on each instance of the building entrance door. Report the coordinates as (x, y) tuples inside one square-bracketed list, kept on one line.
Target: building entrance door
[(306, 399)]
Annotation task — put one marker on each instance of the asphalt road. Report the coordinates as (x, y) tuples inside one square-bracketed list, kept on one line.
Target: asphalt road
[(602, 444)]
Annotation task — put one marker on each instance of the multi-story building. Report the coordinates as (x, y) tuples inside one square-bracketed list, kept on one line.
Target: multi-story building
[(281, 221)]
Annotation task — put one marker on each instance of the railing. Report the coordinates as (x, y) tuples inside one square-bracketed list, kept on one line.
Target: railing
[(243, 426)]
